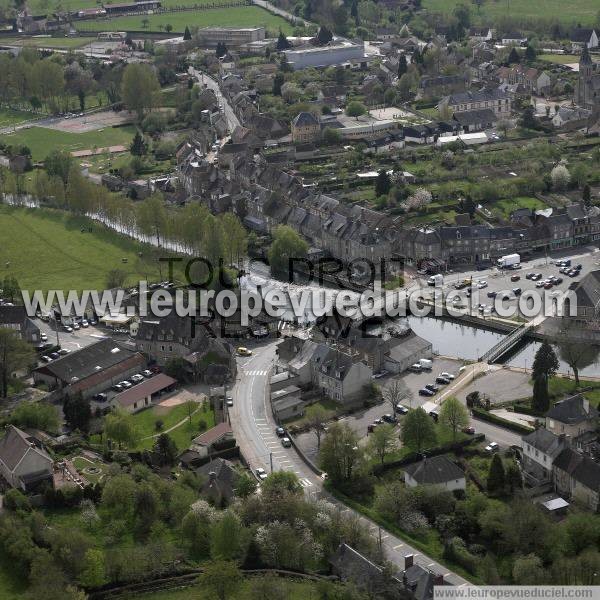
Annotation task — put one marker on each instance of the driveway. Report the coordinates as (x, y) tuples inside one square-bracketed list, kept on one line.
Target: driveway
[(503, 385)]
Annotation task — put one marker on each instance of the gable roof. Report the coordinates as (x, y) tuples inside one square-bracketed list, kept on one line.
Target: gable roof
[(435, 470), (572, 410), (305, 119), (587, 290), (138, 392), (545, 441), (581, 468), (212, 435), (15, 444), (581, 34)]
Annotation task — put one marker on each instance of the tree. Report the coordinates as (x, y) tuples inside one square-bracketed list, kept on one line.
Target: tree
[(530, 53), (513, 56), (560, 177), (37, 415), (168, 27), (228, 538), (245, 486), (496, 479), (138, 146), (355, 109), (287, 246), (577, 355), (331, 136), (222, 578), (340, 454), (382, 441), (454, 415), (15, 354), (324, 36), (528, 570), (58, 164), (119, 426), (278, 81), (528, 120), (316, 417), (78, 412), (94, 571), (418, 431), (586, 195), (139, 88), (176, 368), (540, 397), (402, 66), (513, 478), (383, 183), (279, 485), (187, 34), (166, 449), (282, 42), (395, 393), (545, 364)]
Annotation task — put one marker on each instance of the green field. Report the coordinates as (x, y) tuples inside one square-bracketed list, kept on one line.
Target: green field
[(560, 59), (46, 42), (41, 140), (243, 16), (506, 206), (46, 250), (42, 7), (576, 11), (8, 116)]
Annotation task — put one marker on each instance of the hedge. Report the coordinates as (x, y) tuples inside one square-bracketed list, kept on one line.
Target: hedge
[(483, 415)]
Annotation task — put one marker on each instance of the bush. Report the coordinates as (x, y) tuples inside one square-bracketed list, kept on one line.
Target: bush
[(15, 500), (456, 551), (164, 150)]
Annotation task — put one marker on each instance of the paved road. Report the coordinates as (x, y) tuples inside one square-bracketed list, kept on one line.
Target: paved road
[(212, 84), (253, 425)]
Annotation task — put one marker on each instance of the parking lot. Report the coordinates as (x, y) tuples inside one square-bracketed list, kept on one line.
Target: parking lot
[(495, 281)]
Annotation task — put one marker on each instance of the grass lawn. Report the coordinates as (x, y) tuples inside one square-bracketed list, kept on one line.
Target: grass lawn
[(47, 250), (295, 590), (560, 59), (81, 463), (560, 387), (65, 43), (577, 11), (242, 16), (42, 7), (146, 424), (8, 116), (41, 140), (506, 206)]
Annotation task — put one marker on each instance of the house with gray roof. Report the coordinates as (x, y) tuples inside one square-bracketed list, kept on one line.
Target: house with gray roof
[(24, 463), (540, 449), (577, 477), (438, 471), (574, 417), (497, 100), (342, 376)]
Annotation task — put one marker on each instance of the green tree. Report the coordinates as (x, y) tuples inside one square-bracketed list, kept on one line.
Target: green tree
[(119, 427), (94, 571), (316, 417), (166, 449), (146, 508), (496, 481), (138, 146), (529, 570), (454, 415), (462, 13), (541, 398), (530, 53), (340, 454), (513, 56), (513, 478), (418, 431), (287, 246), (402, 65), (11, 290), (279, 485), (115, 279), (282, 42), (545, 364), (58, 164), (383, 183), (187, 34), (177, 369), (382, 441), (331, 136), (37, 415), (139, 88), (228, 538), (222, 578), (278, 81), (245, 486), (15, 354), (355, 109), (168, 27), (586, 195), (78, 412), (324, 36)]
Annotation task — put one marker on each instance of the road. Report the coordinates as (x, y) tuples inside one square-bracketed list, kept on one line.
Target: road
[(254, 427), (204, 79)]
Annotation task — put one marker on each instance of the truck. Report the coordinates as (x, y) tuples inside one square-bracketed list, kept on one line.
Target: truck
[(509, 260), (436, 280), (426, 364)]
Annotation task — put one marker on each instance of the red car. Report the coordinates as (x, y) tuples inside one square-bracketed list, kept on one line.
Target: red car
[(469, 430)]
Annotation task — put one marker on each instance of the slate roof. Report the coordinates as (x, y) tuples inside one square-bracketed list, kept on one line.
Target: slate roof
[(224, 481), (305, 119), (545, 441), (581, 34), (476, 117), (477, 96), (586, 290), (435, 470), (581, 468), (572, 411), (15, 444), (144, 389)]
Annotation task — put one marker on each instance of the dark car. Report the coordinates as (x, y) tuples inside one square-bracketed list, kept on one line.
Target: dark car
[(401, 409), (442, 380), (492, 294), (425, 392), (558, 280), (280, 431), (433, 388), (517, 291), (515, 278), (469, 430), (389, 418), (54, 355), (529, 275)]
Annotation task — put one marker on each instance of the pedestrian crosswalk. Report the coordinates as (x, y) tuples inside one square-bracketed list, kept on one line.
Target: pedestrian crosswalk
[(256, 373), (305, 482)]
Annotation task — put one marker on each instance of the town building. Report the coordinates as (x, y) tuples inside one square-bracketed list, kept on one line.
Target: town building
[(587, 91), (24, 463), (441, 85), (143, 395), (338, 52), (15, 318), (582, 37), (540, 449), (437, 471), (532, 80), (120, 8), (574, 417), (496, 100), (577, 477), (287, 403), (204, 444), (305, 128), (232, 37), (220, 479)]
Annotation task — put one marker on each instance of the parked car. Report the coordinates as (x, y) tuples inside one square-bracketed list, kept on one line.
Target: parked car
[(389, 419), (416, 368), (432, 387), (261, 473), (426, 392), (137, 378), (242, 351), (280, 431), (46, 359), (492, 447), (286, 442), (229, 401), (68, 329), (517, 291), (43, 337), (147, 373), (529, 275), (54, 355), (118, 387), (558, 280), (76, 326), (515, 278), (125, 384), (469, 430), (442, 380), (401, 409), (482, 284), (492, 294), (64, 351), (447, 375)]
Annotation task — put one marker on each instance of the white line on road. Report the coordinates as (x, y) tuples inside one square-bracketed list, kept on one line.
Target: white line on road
[(398, 546)]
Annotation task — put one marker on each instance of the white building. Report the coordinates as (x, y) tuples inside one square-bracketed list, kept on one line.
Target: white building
[(337, 52), (438, 471)]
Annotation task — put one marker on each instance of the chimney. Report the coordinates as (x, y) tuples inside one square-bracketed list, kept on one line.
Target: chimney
[(212, 477), (438, 579), (408, 560)]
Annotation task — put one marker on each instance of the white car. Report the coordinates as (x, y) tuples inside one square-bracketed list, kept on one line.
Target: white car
[(43, 337), (447, 375), (482, 284), (84, 323), (492, 447), (68, 329), (125, 384), (147, 373), (137, 378), (261, 473), (76, 326)]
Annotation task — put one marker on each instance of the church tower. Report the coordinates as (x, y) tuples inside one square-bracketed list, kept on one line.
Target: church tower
[(583, 95)]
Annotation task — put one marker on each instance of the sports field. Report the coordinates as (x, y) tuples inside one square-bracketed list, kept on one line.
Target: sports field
[(41, 140), (46, 249), (42, 7), (59, 43), (241, 16), (573, 12)]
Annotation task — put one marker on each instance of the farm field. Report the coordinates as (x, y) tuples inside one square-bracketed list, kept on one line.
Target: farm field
[(560, 59), (243, 16), (577, 11), (46, 42), (59, 256), (41, 140), (8, 116)]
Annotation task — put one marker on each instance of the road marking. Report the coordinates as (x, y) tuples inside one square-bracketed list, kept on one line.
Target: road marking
[(398, 546), (305, 483), (384, 537), (431, 564)]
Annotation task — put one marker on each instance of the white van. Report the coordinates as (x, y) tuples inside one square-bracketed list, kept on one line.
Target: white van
[(426, 364)]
